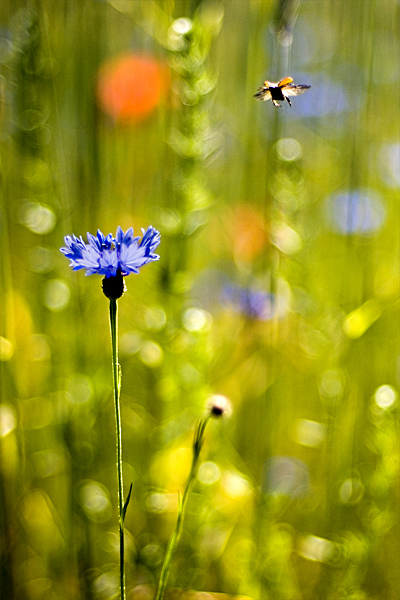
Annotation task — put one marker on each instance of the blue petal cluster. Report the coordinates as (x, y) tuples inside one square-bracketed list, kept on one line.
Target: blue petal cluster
[(108, 255)]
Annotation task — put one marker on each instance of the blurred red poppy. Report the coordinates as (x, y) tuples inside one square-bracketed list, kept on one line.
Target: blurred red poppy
[(131, 86)]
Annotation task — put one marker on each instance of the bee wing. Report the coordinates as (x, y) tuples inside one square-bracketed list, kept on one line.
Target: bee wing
[(294, 90), (263, 94), (285, 81)]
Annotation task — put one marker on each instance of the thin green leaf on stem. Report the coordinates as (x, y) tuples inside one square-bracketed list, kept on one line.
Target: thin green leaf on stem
[(126, 504)]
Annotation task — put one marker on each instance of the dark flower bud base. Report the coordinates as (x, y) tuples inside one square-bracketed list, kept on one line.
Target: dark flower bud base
[(114, 287)]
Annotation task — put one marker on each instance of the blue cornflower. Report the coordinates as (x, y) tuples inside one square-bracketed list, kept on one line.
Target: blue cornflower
[(106, 255), (113, 257)]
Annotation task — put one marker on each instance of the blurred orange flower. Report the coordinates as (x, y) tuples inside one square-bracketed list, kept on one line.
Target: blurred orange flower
[(248, 232), (131, 86)]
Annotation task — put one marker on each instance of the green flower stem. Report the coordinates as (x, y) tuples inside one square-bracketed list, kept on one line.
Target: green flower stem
[(117, 390), (174, 539)]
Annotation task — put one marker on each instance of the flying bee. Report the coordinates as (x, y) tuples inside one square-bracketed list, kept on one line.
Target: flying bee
[(280, 91)]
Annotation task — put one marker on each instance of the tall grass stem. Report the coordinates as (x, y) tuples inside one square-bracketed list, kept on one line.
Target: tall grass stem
[(174, 539)]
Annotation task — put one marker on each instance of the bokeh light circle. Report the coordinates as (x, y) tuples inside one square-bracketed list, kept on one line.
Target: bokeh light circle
[(385, 396), (288, 149)]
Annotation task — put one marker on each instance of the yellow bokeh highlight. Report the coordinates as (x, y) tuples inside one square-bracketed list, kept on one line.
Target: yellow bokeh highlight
[(6, 349), (170, 469), (359, 320)]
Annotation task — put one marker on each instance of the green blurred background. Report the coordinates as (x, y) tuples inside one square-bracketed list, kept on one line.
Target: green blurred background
[(278, 287)]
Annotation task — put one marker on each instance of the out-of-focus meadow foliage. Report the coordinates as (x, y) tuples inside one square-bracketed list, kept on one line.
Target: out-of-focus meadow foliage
[(278, 287)]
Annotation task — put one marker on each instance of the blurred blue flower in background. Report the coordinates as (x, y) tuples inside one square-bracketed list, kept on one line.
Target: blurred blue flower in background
[(106, 255), (360, 211), (251, 302), (327, 98)]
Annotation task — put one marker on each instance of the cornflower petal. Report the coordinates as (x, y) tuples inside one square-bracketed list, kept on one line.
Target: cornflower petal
[(128, 237), (124, 238), (89, 260), (119, 237), (95, 242), (105, 242), (150, 240), (108, 263), (131, 258), (75, 247)]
